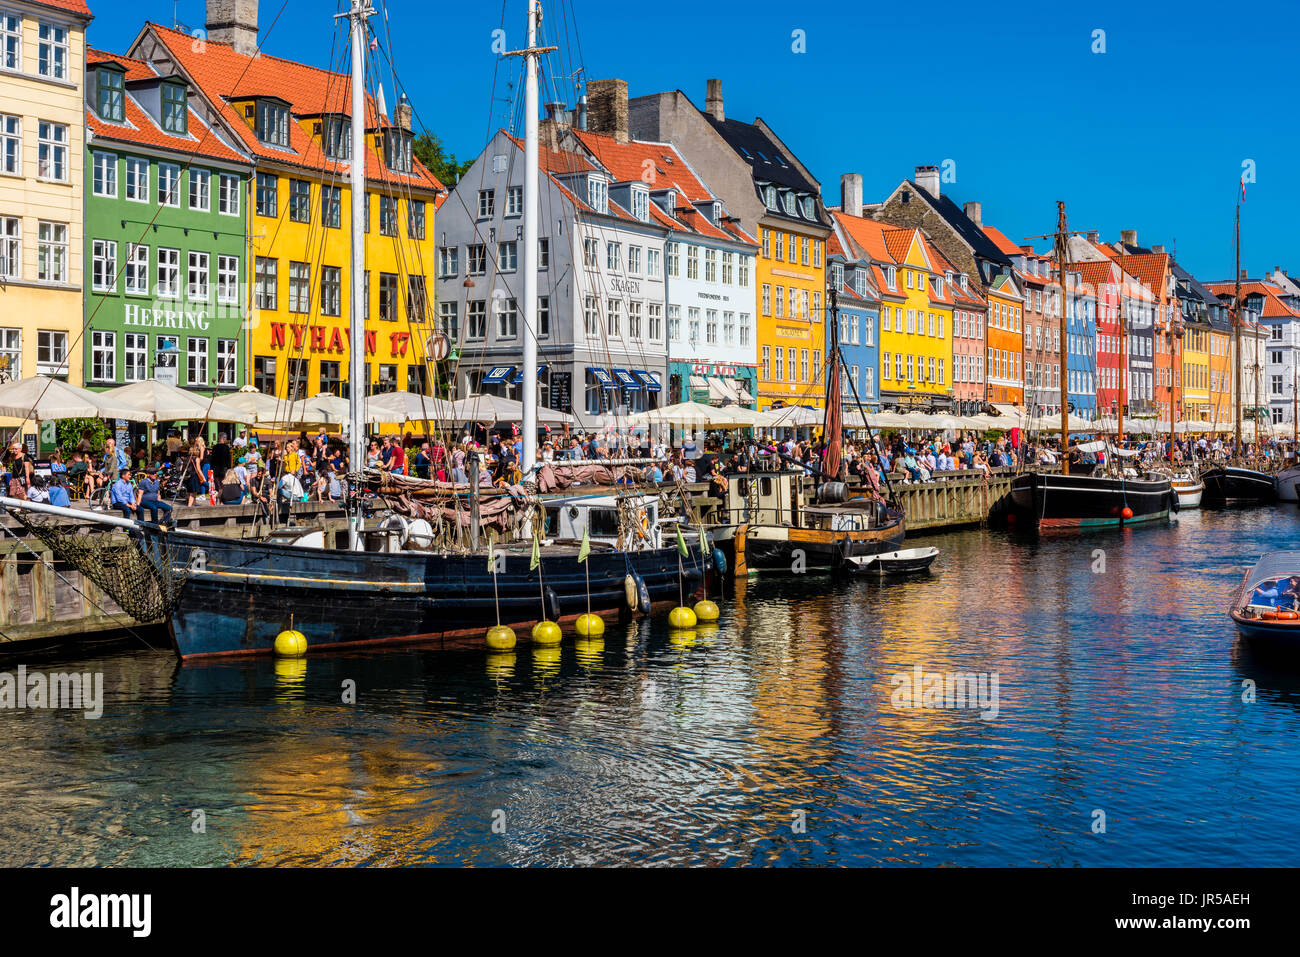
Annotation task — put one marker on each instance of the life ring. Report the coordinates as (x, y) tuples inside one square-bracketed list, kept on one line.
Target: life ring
[(1269, 616), (643, 529), (1287, 616)]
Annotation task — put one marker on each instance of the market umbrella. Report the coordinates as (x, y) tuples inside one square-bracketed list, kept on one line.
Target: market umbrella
[(322, 409), (408, 407), (695, 414), (265, 408), (45, 399), (485, 406), (792, 417), (154, 401)]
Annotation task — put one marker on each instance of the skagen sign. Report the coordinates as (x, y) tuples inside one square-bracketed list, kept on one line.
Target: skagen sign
[(164, 318)]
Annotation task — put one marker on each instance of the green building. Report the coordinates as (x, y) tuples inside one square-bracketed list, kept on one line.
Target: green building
[(166, 235)]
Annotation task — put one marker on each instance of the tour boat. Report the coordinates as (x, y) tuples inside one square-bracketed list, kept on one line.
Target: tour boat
[(1265, 606)]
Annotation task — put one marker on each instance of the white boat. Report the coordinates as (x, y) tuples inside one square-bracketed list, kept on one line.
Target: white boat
[(1189, 489), (1287, 480)]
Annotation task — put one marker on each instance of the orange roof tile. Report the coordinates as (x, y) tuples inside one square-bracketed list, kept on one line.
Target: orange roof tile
[(1273, 304), (1151, 269), (1001, 241), (70, 6), (224, 75), (866, 233)]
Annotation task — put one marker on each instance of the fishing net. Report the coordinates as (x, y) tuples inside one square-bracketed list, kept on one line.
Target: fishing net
[(143, 575)]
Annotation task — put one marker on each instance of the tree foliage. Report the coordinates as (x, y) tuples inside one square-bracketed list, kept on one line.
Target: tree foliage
[(442, 164)]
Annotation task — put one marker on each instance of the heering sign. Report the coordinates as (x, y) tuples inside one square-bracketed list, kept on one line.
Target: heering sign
[(133, 315)]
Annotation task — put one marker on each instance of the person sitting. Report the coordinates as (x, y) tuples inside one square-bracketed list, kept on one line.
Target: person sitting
[(232, 490), (150, 499), (38, 492), (59, 491), (121, 494)]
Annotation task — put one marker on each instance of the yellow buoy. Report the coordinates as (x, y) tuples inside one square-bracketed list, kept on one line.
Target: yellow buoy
[(547, 633), (706, 610), (682, 617), (290, 644), (501, 638), (589, 626)]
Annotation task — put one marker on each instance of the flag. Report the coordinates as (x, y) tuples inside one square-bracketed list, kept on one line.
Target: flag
[(492, 561), (1243, 189), (374, 43), (585, 548), (681, 543), (537, 553)]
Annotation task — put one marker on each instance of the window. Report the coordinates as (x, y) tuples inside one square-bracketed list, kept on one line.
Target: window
[(398, 147), (449, 319), (11, 247), (744, 329), (692, 262), (266, 283), (675, 323), (514, 201), (543, 316), (477, 256), (169, 273), (388, 296), (11, 141), (417, 298), (51, 252), (729, 328), (228, 195), (780, 246), (169, 185), (197, 283), (767, 363), (51, 352), (476, 319), (104, 182), (767, 299), (448, 261), (135, 365), (803, 365), (693, 324), (590, 317), (672, 251), (196, 361), (711, 326), (137, 179), (655, 317), (331, 206), (11, 41), (614, 317), (598, 195), (590, 253), (634, 259), (299, 287), (103, 265), (613, 255), (634, 313), (387, 216), (507, 257), (416, 220), (175, 114), (103, 353), (52, 151), (543, 253), (227, 279), (264, 374), (507, 317), (200, 186), (268, 195), (641, 204), (52, 51), (710, 265), (300, 201), (486, 203), (273, 123)]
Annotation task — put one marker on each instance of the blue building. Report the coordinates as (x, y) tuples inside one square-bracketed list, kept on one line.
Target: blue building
[(1080, 345), (858, 304)]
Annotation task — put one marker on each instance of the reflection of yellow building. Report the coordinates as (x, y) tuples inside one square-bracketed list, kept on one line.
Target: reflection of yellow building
[(294, 121), (790, 331), (42, 173)]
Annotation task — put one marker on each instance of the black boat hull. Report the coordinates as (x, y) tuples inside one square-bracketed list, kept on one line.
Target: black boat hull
[(1234, 486), (750, 549), (239, 595), (1052, 501)]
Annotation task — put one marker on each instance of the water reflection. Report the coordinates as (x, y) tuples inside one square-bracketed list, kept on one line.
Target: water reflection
[(768, 737)]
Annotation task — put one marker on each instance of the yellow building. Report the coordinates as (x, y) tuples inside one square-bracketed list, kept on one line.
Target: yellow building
[(919, 339), (790, 332), (294, 122), (1194, 374), (42, 174)]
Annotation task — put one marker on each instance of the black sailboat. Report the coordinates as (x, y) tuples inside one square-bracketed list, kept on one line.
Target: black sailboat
[(1235, 483), (1066, 500)]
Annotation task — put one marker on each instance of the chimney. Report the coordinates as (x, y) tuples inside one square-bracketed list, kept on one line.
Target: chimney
[(1157, 249), (1094, 236), (1241, 275), (851, 193), (403, 114), (927, 177), (607, 108), (234, 22), (1129, 237), (973, 212), (557, 120), (713, 101), (582, 112)]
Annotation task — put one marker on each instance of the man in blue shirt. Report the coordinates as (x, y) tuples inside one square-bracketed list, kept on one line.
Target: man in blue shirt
[(121, 495)]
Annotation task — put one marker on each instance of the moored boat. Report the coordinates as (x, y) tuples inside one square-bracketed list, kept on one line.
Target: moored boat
[(1234, 485), (1265, 606), (1050, 500), (1189, 489), (1287, 481)]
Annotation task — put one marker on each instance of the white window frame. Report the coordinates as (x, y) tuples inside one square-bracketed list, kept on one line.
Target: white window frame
[(51, 252), (200, 191), (11, 143), (196, 348), (227, 363), (169, 273), (11, 247), (48, 341), (103, 356), (135, 357), (198, 276), (52, 151), (11, 40), (132, 170), (227, 279), (228, 195), (103, 181), (103, 270), (169, 185), (52, 49)]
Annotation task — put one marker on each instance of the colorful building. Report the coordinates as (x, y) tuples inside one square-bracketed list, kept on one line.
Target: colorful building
[(165, 234), (1103, 278), (42, 180), (919, 340), (857, 306), (1005, 321), (1080, 345), (294, 121)]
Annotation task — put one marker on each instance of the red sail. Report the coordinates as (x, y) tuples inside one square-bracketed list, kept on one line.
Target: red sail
[(834, 433)]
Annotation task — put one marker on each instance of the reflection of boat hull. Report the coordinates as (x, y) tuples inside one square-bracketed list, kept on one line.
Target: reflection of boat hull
[(1287, 482), (1232, 485), (238, 595), (1049, 500), (781, 548)]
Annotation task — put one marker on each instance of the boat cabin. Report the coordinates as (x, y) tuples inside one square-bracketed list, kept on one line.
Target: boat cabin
[(764, 498), (628, 522)]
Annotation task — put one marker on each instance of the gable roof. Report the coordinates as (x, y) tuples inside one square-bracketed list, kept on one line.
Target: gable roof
[(1274, 307), (965, 228), (67, 6), (999, 239), (223, 75)]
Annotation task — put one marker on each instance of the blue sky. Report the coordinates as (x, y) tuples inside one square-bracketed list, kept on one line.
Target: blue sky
[(1150, 134)]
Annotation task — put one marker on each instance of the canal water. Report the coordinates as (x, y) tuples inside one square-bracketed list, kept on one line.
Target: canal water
[(1132, 727)]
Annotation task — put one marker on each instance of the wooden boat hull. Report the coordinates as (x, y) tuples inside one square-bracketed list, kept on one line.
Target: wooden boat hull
[(1189, 493), (750, 549), (1271, 634), (238, 595), (1227, 486), (1052, 501)]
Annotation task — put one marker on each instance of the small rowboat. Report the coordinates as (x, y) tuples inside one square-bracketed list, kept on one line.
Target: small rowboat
[(1266, 607), (905, 562)]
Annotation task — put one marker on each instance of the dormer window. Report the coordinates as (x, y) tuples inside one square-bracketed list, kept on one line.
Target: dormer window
[(860, 281), (717, 214), (809, 207), (397, 150), (598, 194), (273, 122), (938, 286), (963, 281), (769, 197), (837, 275), (175, 112), (336, 137), (891, 277), (110, 94), (787, 201), (641, 204)]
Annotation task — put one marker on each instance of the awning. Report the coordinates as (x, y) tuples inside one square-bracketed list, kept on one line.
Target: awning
[(627, 380), (498, 374), (604, 378), (649, 381), (699, 383), (519, 376), (742, 394), (718, 390)]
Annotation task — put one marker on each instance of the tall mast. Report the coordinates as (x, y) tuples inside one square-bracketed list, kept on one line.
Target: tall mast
[(1236, 326), (1064, 371), (359, 14), (529, 258)]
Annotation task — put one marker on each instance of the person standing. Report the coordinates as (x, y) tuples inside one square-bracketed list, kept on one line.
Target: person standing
[(194, 479), (220, 459)]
